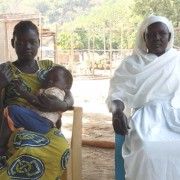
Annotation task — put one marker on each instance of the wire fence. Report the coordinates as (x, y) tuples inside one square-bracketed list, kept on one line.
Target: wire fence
[(87, 61)]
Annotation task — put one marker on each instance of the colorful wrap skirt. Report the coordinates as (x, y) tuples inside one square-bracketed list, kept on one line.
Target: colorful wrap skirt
[(34, 156)]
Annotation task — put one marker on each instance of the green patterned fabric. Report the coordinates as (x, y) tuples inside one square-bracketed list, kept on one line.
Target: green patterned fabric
[(31, 82), (35, 156)]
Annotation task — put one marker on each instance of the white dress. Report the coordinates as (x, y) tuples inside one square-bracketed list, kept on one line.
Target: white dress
[(151, 150)]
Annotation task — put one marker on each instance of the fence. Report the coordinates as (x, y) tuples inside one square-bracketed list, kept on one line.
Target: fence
[(86, 61)]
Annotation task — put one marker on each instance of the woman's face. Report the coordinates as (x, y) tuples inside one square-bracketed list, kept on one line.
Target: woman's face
[(26, 44), (157, 37)]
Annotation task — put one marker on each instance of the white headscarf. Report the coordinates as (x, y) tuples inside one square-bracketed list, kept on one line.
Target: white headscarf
[(144, 77)]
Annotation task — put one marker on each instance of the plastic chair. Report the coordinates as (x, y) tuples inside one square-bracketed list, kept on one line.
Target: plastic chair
[(119, 161), (74, 167)]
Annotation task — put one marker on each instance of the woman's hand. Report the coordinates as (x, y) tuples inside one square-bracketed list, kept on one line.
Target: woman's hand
[(119, 119), (5, 75), (51, 103), (120, 122)]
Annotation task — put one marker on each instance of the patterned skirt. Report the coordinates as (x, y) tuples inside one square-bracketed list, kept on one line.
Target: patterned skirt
[(34, 156)]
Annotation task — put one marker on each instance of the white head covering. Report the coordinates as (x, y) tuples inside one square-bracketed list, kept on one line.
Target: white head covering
[(144, 77)]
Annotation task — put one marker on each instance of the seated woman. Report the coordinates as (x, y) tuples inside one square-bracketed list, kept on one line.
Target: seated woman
[(30, 155), (148, 81)]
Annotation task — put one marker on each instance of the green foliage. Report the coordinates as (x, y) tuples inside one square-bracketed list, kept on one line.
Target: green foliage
[(65, 41), (177, 38), (113, 16), (167, 8), (82, 33)]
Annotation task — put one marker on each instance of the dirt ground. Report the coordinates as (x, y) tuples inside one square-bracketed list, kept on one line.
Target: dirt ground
[(90, 93)]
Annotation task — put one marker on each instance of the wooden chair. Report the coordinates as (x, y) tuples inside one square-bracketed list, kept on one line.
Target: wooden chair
[(74, 167)]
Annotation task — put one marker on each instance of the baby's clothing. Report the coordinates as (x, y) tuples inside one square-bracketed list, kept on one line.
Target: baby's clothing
[(52, 116)]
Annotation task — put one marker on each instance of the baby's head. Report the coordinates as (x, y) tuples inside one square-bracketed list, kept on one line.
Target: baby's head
[(59, 77)]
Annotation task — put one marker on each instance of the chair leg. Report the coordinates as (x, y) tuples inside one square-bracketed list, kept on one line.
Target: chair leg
[(119, 161), (76, 144)]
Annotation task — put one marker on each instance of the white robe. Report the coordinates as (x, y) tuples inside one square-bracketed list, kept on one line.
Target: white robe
[(151, 149)]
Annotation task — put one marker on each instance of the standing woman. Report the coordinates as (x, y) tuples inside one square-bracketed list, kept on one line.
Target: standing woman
[(148, 82), (30, 155)]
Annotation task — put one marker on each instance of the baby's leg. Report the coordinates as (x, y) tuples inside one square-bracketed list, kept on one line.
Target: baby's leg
[(19, 116)]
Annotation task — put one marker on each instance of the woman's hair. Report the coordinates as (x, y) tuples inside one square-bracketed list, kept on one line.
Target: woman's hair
[(67, 75), (24, 26)]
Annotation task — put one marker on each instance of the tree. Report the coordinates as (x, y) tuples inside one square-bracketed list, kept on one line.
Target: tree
[(167, 8), (64, 41), (114, 16)]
